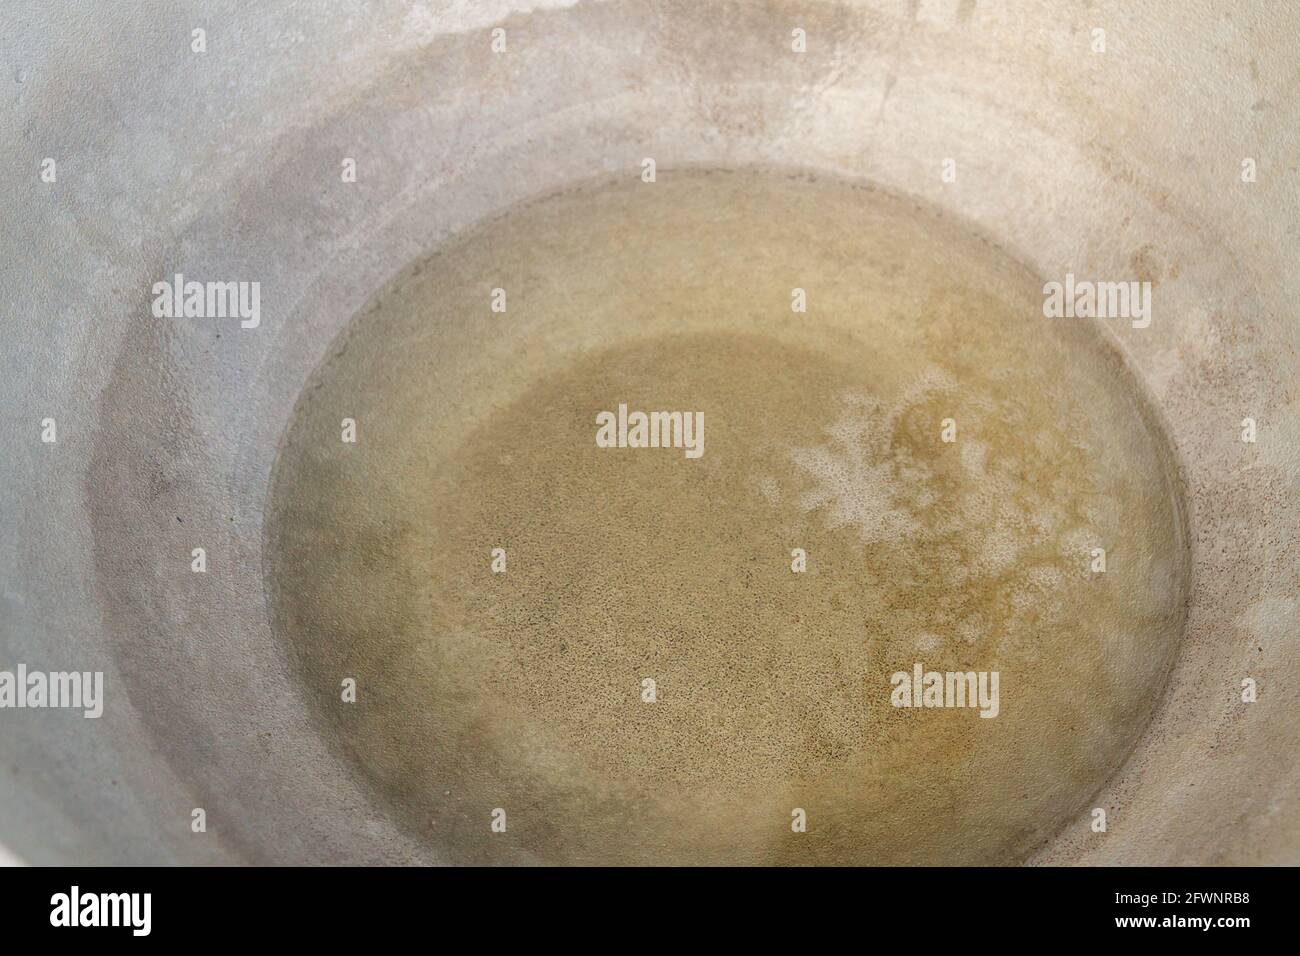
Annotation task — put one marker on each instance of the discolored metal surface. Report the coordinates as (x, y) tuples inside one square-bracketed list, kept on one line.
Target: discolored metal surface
[(521, 684), (225, 165)]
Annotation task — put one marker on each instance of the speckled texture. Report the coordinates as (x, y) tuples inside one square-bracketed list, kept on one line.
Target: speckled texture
[(228, 165), (523, 689)]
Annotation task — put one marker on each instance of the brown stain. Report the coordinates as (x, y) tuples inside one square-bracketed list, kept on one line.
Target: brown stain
[(1146, 266), (522, 690)]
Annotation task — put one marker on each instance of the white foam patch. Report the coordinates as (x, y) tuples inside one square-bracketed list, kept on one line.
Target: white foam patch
[(855, 470), (928, 643), (854, 490), (1076, 545), (973, 455), (969, 632), (998, 550), (769, 489), (1045, 578)]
